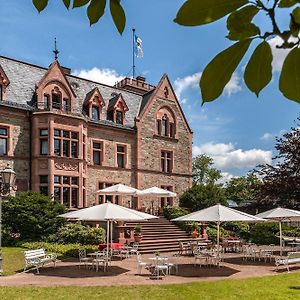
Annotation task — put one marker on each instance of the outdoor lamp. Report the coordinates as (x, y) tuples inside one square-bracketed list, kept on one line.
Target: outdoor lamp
[(8, 179), (7, 183)]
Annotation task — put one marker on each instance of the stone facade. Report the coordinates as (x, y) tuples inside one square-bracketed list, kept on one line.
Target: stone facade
[(68, 137)]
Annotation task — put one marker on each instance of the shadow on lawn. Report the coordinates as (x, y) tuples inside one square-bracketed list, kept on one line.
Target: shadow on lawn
[(75, 272), (188, 270)]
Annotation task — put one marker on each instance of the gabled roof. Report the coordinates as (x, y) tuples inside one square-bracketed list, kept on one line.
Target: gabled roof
[(24, 77), (91, 94), (113, 101)]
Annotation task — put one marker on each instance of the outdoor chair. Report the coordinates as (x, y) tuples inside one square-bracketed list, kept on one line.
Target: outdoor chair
[(100, 260), (160, 268), (125, 252), (83, 259), (140, 263), (134, 248), (268, 253), (172, 265), (200, 256), (183, 249)]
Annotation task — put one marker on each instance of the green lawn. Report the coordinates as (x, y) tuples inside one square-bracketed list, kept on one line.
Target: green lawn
[(272, 287), (13, 260)]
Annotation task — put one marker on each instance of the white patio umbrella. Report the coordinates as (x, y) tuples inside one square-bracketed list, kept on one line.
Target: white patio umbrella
[(118, 189), (157, 192), (218, 214), (280, 215), (108, 212)]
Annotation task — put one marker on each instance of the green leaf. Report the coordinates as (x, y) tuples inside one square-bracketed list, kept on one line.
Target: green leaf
[(258, 72), (118, 15), (296, 15), (67, 3), (79, 3), (239, 23), (199, 12), (219, 71), (289, 81), (287, 3), (96, 10), (40, 4)]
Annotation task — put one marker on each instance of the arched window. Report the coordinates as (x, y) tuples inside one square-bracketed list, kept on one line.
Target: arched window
[(56, 98), (165, 121), (95, 113)]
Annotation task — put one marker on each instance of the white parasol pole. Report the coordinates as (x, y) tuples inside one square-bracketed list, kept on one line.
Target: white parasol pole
[(280, 237), (218, 236), (107, 240)]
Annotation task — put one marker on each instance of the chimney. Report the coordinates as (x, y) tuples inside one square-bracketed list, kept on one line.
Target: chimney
[(137, 85)]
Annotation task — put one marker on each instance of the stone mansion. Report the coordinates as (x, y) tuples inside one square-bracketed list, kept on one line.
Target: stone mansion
[(67, 137)]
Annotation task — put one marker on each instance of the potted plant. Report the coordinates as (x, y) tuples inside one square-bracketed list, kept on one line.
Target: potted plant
[(138, 233), (195, 232), (157, 253)]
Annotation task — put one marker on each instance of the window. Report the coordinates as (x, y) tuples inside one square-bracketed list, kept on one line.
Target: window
[(56, 100), (166, 161), (165, 123), (166, 201), (44, 144), (44, 184), (121, 156), (97, 153), (119, 117), (3, 140), (46, 101), (65, 143), (95, 113), (66, 105), (107, 198), (66, 190)]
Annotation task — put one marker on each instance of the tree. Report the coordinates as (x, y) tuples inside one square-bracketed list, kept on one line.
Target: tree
[(281, 182), (31, 216), (200, 196), (203, 173), (241, 30), (242, 189)]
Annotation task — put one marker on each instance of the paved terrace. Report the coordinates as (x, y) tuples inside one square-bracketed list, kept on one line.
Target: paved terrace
[(124, 272)]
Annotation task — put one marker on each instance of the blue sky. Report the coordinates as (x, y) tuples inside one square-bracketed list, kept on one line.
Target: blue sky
[(237, 130)]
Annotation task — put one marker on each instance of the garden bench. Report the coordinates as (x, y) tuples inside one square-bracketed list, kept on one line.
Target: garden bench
[(37, 258), (292, 258)]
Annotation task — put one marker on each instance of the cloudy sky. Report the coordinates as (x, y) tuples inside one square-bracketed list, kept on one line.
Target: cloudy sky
[(238, 130)]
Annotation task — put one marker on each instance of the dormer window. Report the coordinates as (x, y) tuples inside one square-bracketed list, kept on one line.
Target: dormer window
[(119, 117), (116, 109), (93, 104), (66, 105), (46, 101), (4, 82), (56, 99), (165, 123), (95, 113)]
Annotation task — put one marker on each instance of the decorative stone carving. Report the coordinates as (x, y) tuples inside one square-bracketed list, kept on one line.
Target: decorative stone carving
[(66, 166)]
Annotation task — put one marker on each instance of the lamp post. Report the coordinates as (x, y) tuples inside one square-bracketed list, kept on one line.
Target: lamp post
[(7, 183)]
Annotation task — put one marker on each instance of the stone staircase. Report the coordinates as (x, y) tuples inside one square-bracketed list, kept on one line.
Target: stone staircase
[(160, 235)]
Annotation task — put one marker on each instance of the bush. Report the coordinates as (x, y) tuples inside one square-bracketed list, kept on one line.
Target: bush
[(68, 250), (78, 233), (172, 212), (31, 216), (242, 230), (264, 233), (212, 232)]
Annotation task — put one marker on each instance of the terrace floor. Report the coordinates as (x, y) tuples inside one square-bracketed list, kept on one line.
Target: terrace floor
[(124, 272)]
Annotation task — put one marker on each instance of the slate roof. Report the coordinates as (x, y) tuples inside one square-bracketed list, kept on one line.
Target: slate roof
[(24, 77)]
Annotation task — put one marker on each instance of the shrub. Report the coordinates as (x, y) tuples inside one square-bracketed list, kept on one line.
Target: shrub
[(264, 233), (242, 230), (78, 233), (31, 216), (212, 232), (68, 250), (172, 212)]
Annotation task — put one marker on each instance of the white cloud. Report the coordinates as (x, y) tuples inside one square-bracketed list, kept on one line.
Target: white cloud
[(279, 54), (233, 86), (192, 82), (226, 177), (267, 136), (106, 76), (226, 157), (185, 83)]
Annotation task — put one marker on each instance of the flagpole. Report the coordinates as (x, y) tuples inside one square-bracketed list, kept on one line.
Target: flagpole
[(133, 62)]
